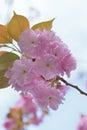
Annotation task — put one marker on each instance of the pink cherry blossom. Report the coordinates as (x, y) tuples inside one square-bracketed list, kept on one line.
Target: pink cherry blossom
[(28, 42), (30, 109), (21, 74), (68, 63), (46, 36), (47, 96), (47, 43), (47, 66), (27, 103), (82, 125), (9, 124), (36, 120), (29, 114), (44, 58)]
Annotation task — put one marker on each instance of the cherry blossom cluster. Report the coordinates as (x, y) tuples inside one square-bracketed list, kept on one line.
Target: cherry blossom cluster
[(44, 58), (23, 114)]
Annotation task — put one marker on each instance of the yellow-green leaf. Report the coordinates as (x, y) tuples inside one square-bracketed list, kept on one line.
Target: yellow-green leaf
[(6, 61), (44, 25), (4, 35), (17, 25), (3, 82), (2, 52), (2, 72)]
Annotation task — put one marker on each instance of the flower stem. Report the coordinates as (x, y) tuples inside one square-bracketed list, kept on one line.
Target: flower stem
[(71, 85)]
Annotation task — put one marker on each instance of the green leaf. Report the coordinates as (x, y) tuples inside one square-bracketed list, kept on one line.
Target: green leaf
[(44, 25), (6, 61), (2, 72), (3, 82)]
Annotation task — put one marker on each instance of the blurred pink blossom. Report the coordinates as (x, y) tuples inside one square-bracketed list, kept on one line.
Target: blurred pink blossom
[(82, 125), (30, 109), (9, 124), (25, 112)]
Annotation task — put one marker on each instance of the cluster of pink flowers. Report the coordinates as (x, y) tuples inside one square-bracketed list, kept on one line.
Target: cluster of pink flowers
[(24, 113), (44, 57), (30, 109), (82, 125)]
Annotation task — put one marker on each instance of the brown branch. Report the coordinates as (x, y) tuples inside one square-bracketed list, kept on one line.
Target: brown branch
[(71, 85)]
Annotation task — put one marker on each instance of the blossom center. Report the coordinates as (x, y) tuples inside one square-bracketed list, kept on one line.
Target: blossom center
[(24, 71), (32, 42), (50, 98), (48, 65)]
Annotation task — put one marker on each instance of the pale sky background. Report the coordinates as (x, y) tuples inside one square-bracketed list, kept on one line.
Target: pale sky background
[(71, 25)]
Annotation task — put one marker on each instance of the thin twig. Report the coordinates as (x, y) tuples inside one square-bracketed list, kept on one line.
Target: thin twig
[(71, 85)]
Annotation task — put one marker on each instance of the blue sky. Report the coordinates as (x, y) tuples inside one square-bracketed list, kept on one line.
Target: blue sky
[(71, 25)]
